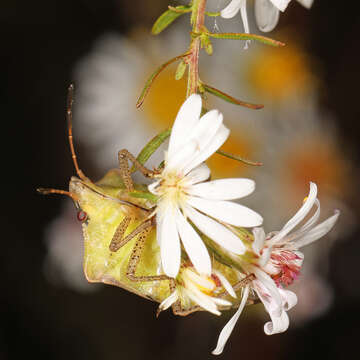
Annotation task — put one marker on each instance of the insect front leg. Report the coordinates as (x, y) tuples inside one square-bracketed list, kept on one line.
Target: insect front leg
[(124, 156)]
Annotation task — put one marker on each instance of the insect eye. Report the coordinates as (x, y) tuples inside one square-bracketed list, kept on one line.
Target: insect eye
[(81, 215)]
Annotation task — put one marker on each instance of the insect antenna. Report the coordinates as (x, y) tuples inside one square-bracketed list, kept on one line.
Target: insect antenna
[(46, 191), (69, 102)]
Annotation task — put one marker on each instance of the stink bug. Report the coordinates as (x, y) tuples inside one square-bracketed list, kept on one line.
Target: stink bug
[(119, 231)]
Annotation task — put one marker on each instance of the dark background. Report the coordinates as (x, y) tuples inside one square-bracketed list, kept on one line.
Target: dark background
[(40, 41)]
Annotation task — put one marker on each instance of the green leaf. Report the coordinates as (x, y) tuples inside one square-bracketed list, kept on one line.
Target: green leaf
[(165, 19), (180, 71), (151, 147), (144, 195), (239, 158), (229, 98), (239, 36), (153, 76)]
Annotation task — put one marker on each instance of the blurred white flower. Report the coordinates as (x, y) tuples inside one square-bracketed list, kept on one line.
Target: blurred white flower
[(183, 193), (64, 242)]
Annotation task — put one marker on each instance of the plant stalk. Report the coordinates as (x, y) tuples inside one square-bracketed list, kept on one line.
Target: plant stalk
[(198, 18)]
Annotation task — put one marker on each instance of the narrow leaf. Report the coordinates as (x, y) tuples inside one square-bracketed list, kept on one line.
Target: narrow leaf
[(239, 158), (180, 71), (144, 195), (166, 18), (229, 98), (151, 147), (153, 76), (238, 36)]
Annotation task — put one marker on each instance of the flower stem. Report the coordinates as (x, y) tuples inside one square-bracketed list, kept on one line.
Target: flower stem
[(197, 18)]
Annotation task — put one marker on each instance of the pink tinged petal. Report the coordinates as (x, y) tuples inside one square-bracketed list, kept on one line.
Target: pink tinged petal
[(298, 217), (265, 257), (280, 4), (266, 15), (228, 328), (169, 301), (223, 189), (227, 211), (225, 283), (217, 232), (169, 244), (306, 3), (278, 324), (318, 231), (199, 174), (289, 299), (231, 10), (194, 246), (216, 142), (259, 240), (267, 290), (186, 119)]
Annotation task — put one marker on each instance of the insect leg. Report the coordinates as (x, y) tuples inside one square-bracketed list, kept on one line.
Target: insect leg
[(135, 258), (124, 156), (119, 240)]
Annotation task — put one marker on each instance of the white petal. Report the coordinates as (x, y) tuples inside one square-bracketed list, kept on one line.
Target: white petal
[(299, 216), (200, 281), (159, 219), (318, 231), (199, 174), (231, 10), (194, 246), (227, 211), (186, 119), (203, 135), (280, 4), (152, 187), (259, 240), (212, 146), (266, 15), (245, 21), (221, 302), (181, 157), (278, 324), (223, 189), (169, 244), (309, 224), (306, 3), (228, 328), (201, 299), (225, 283), (289, 299), (217, 232), (169, 301)]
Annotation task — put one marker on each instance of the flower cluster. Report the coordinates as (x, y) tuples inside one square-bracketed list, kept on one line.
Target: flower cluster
[(195, 214)]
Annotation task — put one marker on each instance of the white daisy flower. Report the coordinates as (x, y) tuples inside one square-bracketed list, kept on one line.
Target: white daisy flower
[(200, 290), (266, 12), (184, 194), (279, 262)]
